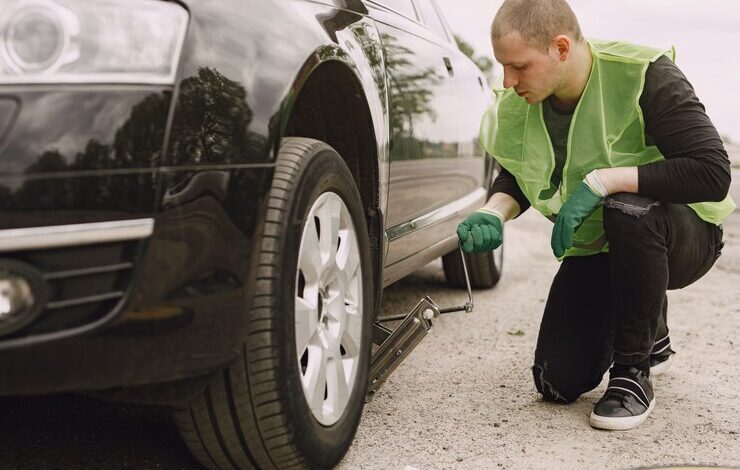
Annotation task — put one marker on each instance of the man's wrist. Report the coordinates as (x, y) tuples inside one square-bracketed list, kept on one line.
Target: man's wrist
[(492, 212), (594, 182), (618, 180)]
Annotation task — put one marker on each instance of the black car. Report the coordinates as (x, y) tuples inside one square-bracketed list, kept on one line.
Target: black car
[(202, 201)]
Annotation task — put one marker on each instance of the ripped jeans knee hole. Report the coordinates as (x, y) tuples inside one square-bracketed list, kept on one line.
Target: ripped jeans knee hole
[(630, 204)]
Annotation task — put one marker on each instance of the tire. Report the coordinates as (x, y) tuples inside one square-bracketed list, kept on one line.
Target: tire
[(484, 269), (256, 414)]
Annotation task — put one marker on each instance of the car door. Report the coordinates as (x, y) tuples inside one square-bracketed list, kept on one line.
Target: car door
[(432, 141), (464, 102), (472, 96)]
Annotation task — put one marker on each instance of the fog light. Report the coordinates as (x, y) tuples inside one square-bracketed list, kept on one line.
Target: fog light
[(23, 293), (15, 296)]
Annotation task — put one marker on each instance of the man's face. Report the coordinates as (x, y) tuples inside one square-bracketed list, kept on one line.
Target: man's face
[(534, 74)]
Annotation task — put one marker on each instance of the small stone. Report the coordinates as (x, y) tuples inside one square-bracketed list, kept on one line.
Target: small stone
[(459, 459), (495, 425)]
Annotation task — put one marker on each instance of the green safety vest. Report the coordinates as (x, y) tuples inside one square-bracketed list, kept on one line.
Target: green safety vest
[(607, 131)]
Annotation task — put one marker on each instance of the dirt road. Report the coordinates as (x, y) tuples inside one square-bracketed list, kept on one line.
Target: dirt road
[(465, 398)]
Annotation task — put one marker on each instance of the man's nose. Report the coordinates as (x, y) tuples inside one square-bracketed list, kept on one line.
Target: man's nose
[(510, 79)]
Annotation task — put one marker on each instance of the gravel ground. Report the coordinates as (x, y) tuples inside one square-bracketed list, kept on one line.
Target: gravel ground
[(465, 397)]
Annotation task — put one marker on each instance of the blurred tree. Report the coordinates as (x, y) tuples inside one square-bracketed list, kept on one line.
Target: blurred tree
[(138, 142), (6, 198), (211, 120), (41, 193), (485, 64), (411, 95)]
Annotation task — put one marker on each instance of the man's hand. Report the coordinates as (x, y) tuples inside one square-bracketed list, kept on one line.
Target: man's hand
[(580, 205), (483, 230)]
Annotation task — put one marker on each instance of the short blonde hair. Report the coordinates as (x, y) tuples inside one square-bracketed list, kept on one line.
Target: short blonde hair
[(536, 21)]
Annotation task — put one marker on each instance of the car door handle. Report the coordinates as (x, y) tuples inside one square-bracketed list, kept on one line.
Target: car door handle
[(448, 66)]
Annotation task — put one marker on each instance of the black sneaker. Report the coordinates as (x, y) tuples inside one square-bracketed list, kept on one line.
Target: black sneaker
[(662, 356), (627, 402)]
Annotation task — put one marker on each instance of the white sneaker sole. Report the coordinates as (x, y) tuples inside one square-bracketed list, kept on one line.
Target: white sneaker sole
[(622, 423), (663, 367)]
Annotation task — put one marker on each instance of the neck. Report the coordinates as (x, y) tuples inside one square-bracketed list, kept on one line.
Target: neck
[(576, 77)]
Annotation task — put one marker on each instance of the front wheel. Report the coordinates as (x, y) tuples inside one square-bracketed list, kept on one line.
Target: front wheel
[(294, 398)]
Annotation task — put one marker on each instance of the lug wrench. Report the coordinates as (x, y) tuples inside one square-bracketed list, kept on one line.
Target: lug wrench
[(395, 345)]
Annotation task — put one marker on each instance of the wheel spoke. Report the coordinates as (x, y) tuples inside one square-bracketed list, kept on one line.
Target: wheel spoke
[(306, 321), (336, 382), (315, 378), (310, 258), (351, 330), (336, 310), (328, 215), (348, 247), (348, 264), (351, 335)]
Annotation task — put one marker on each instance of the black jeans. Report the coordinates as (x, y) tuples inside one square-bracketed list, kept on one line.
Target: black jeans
[(613, 306)]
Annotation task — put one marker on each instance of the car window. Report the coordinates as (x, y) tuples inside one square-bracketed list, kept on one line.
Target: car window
[(405, 7), (431, 18)]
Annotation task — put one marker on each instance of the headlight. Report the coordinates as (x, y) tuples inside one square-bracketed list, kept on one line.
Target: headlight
[(83, 41)]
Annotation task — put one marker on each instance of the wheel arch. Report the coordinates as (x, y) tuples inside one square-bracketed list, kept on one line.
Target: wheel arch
[(328, 102)]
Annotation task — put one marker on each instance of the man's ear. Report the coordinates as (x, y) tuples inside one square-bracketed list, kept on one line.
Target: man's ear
[(562, 44)]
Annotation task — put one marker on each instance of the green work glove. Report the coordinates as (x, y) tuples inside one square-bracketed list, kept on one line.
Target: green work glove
[(483, 230), (580, 205)]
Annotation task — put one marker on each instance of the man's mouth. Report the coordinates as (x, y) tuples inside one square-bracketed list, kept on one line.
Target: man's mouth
[(521, 93)]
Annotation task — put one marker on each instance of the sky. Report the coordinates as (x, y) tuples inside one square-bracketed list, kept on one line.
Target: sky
[(706, 34)]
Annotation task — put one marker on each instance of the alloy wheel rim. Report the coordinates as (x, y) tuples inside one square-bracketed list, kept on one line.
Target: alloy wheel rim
[(328, 308)]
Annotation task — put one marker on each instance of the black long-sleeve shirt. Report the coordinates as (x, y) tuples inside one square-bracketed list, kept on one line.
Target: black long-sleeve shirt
[(696, 166)]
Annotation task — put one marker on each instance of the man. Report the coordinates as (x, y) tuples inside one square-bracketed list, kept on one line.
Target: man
[(609, 141)]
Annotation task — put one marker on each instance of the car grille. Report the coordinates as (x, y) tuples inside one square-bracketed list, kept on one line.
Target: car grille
[(85, 284)]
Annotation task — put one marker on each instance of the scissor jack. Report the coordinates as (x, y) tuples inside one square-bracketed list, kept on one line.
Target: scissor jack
[(396, 345)]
